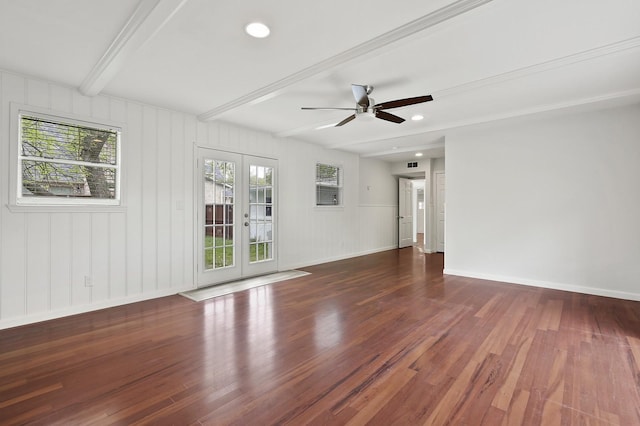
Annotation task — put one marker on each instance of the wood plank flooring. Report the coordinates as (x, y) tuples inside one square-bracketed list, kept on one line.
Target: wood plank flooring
[(383, 339)]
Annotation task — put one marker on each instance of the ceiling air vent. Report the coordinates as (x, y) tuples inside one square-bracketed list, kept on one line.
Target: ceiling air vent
[(412, 164)]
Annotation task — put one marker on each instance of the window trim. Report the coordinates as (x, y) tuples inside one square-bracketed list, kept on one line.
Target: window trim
[(340, 185), (18, 203)]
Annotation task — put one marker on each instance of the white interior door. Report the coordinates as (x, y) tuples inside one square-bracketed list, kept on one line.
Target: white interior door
[(236, 216), (405, 213), (440, 211)]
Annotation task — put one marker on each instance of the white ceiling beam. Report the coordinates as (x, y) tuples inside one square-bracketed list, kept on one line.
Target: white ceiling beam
[(145, 22), (552, 64), (403, 150), (625, 97), (443, 14)]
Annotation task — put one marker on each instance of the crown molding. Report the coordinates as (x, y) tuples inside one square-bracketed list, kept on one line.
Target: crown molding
[(443, 14), (145, 22)]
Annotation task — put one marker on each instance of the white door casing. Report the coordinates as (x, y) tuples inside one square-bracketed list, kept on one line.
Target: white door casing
[(440, 211), (405, 213)]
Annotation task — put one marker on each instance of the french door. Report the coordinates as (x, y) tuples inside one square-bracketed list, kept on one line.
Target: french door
[(236, 216)]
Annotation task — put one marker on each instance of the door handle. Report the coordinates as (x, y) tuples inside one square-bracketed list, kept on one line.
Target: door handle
[(400, 217)]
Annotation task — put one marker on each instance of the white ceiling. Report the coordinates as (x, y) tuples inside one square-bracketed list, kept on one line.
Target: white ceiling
[(482, 60)]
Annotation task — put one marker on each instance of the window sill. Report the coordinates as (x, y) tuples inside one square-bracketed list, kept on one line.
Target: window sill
[(50, 208)]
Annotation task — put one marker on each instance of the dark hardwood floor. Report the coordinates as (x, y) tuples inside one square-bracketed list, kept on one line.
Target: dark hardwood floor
[(382, 339)]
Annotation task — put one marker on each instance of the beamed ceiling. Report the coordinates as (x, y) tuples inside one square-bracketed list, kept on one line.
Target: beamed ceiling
[(481, 60)]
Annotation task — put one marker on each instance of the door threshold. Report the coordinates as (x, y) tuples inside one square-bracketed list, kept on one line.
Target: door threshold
[(223, 289)]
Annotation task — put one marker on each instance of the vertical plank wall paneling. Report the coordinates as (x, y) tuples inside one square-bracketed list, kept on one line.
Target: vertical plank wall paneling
[(127, 255), (61, 261), (81, 258), (149, 200), (187, 194), (176, 202), (100, 252), (132, 196), (38, 262), (146, 249), (164, 175), (13, 296)]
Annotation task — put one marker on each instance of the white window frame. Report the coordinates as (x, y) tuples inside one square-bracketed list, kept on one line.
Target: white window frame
[(339, 187), (42, 203)]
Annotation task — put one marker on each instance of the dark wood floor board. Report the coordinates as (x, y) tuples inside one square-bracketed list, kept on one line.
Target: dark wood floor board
[(383, 339)]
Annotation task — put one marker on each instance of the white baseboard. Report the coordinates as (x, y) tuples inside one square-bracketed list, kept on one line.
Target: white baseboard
[(74, 310), (546, 284)]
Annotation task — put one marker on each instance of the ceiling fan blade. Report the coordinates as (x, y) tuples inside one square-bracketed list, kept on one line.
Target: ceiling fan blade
[(346, 120), (360, 94), (328, 108), (389, 117), (403, 102)]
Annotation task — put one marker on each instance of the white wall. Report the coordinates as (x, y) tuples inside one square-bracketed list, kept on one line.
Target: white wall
[(378, 223), (431, 236), (146, 250), (400, 168), (554, 202)]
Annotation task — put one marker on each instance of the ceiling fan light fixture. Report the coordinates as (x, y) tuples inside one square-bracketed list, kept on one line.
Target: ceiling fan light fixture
[(257, 30), (417, 117)]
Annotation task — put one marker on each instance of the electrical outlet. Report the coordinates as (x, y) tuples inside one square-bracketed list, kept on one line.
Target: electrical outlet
[(87, 281)]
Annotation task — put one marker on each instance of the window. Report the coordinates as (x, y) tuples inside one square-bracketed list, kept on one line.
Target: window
[(62, 161), (328, 185)]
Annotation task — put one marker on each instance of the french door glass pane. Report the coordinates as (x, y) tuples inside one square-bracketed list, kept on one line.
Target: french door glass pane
[(260, 210), (219, 227)]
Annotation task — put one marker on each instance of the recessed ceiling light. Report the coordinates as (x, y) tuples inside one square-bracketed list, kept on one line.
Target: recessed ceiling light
[(417, 117), (418, 154), (257, 30)]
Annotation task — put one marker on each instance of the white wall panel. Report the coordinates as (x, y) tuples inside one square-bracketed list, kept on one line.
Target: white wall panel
[(37, 93), (553, 202), (61, 260), (81, 104), (164, 209), (132, 196), (149, 200), (176, 202), (81, 262), (188, 193), (38, 262), (117, 266), (100, 256), (378, 196), (100, 107), (13, 294), (146, 249), (61, 99)]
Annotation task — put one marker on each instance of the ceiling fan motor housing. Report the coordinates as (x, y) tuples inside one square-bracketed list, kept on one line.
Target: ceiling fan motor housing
[(360, 109)]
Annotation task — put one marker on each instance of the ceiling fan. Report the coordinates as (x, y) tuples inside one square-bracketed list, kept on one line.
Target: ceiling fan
[(366, 105)]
